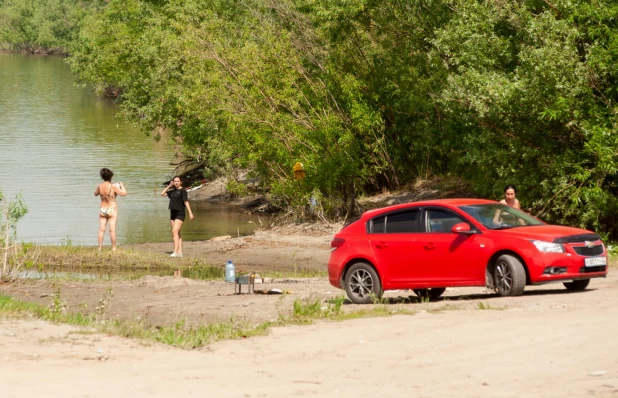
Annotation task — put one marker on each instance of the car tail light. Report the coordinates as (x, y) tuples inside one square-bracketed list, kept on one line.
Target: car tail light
[(336, 242)]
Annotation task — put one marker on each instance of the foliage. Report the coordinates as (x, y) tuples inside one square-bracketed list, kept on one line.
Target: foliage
[(370, 95), (14, 256), (41, 26), (531, 82)]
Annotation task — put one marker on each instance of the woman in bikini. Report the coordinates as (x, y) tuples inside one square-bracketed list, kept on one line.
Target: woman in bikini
[(108, 213)]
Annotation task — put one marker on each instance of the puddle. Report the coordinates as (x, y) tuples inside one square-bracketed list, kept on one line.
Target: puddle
[(201, 273)]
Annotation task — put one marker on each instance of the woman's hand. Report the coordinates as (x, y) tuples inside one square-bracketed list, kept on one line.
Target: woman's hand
[(167, 188)]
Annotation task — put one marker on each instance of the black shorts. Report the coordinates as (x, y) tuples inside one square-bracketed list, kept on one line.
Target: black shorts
[(177, 215)]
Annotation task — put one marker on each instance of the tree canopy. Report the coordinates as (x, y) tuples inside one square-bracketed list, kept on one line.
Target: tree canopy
[(370, 95)]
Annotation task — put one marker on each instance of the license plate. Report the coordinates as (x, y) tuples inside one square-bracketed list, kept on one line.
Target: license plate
[(594, 261)]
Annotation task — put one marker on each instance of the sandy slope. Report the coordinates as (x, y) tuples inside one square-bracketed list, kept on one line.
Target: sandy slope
[(547, 343)]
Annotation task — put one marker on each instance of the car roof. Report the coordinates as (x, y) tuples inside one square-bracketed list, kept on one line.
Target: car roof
[(434, 202)]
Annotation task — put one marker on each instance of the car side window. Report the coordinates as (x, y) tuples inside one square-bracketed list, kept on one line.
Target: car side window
[(439, 221), (402, 222), (396, 223)]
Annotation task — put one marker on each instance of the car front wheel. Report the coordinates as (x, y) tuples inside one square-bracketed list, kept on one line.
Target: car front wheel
[(362, 284), (577, 286), (509, 276)]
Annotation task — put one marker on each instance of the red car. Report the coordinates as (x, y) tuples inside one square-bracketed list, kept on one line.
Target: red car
[(428, 246)]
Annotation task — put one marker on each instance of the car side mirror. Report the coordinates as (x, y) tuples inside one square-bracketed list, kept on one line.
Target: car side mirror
[(462, 228)]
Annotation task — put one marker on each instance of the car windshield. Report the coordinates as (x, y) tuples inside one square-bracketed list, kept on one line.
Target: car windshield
[(500, 216)]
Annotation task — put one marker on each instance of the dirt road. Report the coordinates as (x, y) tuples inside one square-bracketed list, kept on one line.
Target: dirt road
[(547, 343)]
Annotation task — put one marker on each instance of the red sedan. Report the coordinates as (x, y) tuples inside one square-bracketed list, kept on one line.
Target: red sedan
[(428, 246)]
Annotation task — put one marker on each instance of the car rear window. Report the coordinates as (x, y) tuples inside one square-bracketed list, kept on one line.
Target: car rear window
[(395, 223)]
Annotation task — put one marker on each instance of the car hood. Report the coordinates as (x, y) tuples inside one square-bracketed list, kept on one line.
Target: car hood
[(544, 232)]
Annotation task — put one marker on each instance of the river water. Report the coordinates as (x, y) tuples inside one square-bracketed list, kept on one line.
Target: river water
[(54, 139)]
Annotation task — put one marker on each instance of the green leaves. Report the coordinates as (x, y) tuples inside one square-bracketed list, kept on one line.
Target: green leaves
[(46, 26), (373, 94)]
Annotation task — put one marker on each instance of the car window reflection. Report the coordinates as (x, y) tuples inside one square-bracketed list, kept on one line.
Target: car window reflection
[(499, 216), (439, 221)]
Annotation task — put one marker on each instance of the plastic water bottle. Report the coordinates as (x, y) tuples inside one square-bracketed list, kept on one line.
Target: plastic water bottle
[(230, 271)]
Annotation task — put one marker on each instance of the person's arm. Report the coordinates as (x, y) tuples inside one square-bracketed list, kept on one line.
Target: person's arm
[(185, 198), (516, 204), (496, 220), (167, 188), (96, 192), (120, 189), (189, 210)]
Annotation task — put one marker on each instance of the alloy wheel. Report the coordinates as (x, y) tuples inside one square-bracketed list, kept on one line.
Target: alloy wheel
[(361, 283), (504, 279)]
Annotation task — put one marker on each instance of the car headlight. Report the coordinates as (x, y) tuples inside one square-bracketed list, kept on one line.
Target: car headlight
[(548, 247)]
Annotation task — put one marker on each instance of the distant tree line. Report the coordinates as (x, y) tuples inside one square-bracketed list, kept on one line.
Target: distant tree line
[(371, 94), (42, 26)]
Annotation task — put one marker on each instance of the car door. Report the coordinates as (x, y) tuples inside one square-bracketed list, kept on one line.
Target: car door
[(394, 239), (450, 259)]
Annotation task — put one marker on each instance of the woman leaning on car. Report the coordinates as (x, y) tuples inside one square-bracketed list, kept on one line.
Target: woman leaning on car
[(510, 200)]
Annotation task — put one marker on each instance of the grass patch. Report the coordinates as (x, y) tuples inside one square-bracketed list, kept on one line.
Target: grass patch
[(181, 334), (303, 273), (310, 309), (486, 306), (11, 308)]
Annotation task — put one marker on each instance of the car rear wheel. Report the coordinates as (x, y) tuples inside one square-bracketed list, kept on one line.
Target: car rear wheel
[(577, 286), (509, 276), (362, 284), (431, 294)]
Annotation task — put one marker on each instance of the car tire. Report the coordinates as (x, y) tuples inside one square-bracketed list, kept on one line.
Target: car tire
[(577, 286), (362, 284), (509, 276), (431, 293)]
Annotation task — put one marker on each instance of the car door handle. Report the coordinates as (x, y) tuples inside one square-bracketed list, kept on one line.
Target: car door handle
[(429, 246), (381, 245)]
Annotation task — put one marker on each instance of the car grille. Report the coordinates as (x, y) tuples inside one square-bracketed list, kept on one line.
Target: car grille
[(588, 251), (585, 270)]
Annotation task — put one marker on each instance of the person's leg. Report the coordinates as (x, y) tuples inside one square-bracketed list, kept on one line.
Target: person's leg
[(173, 238), (177, 224), (102, 224), (179, 239), (112, 228)]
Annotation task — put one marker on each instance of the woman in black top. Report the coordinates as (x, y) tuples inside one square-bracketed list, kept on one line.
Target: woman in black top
[(178, 203)]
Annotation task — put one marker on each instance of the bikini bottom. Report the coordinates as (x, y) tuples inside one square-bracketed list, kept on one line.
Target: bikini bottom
[(106, 211)]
